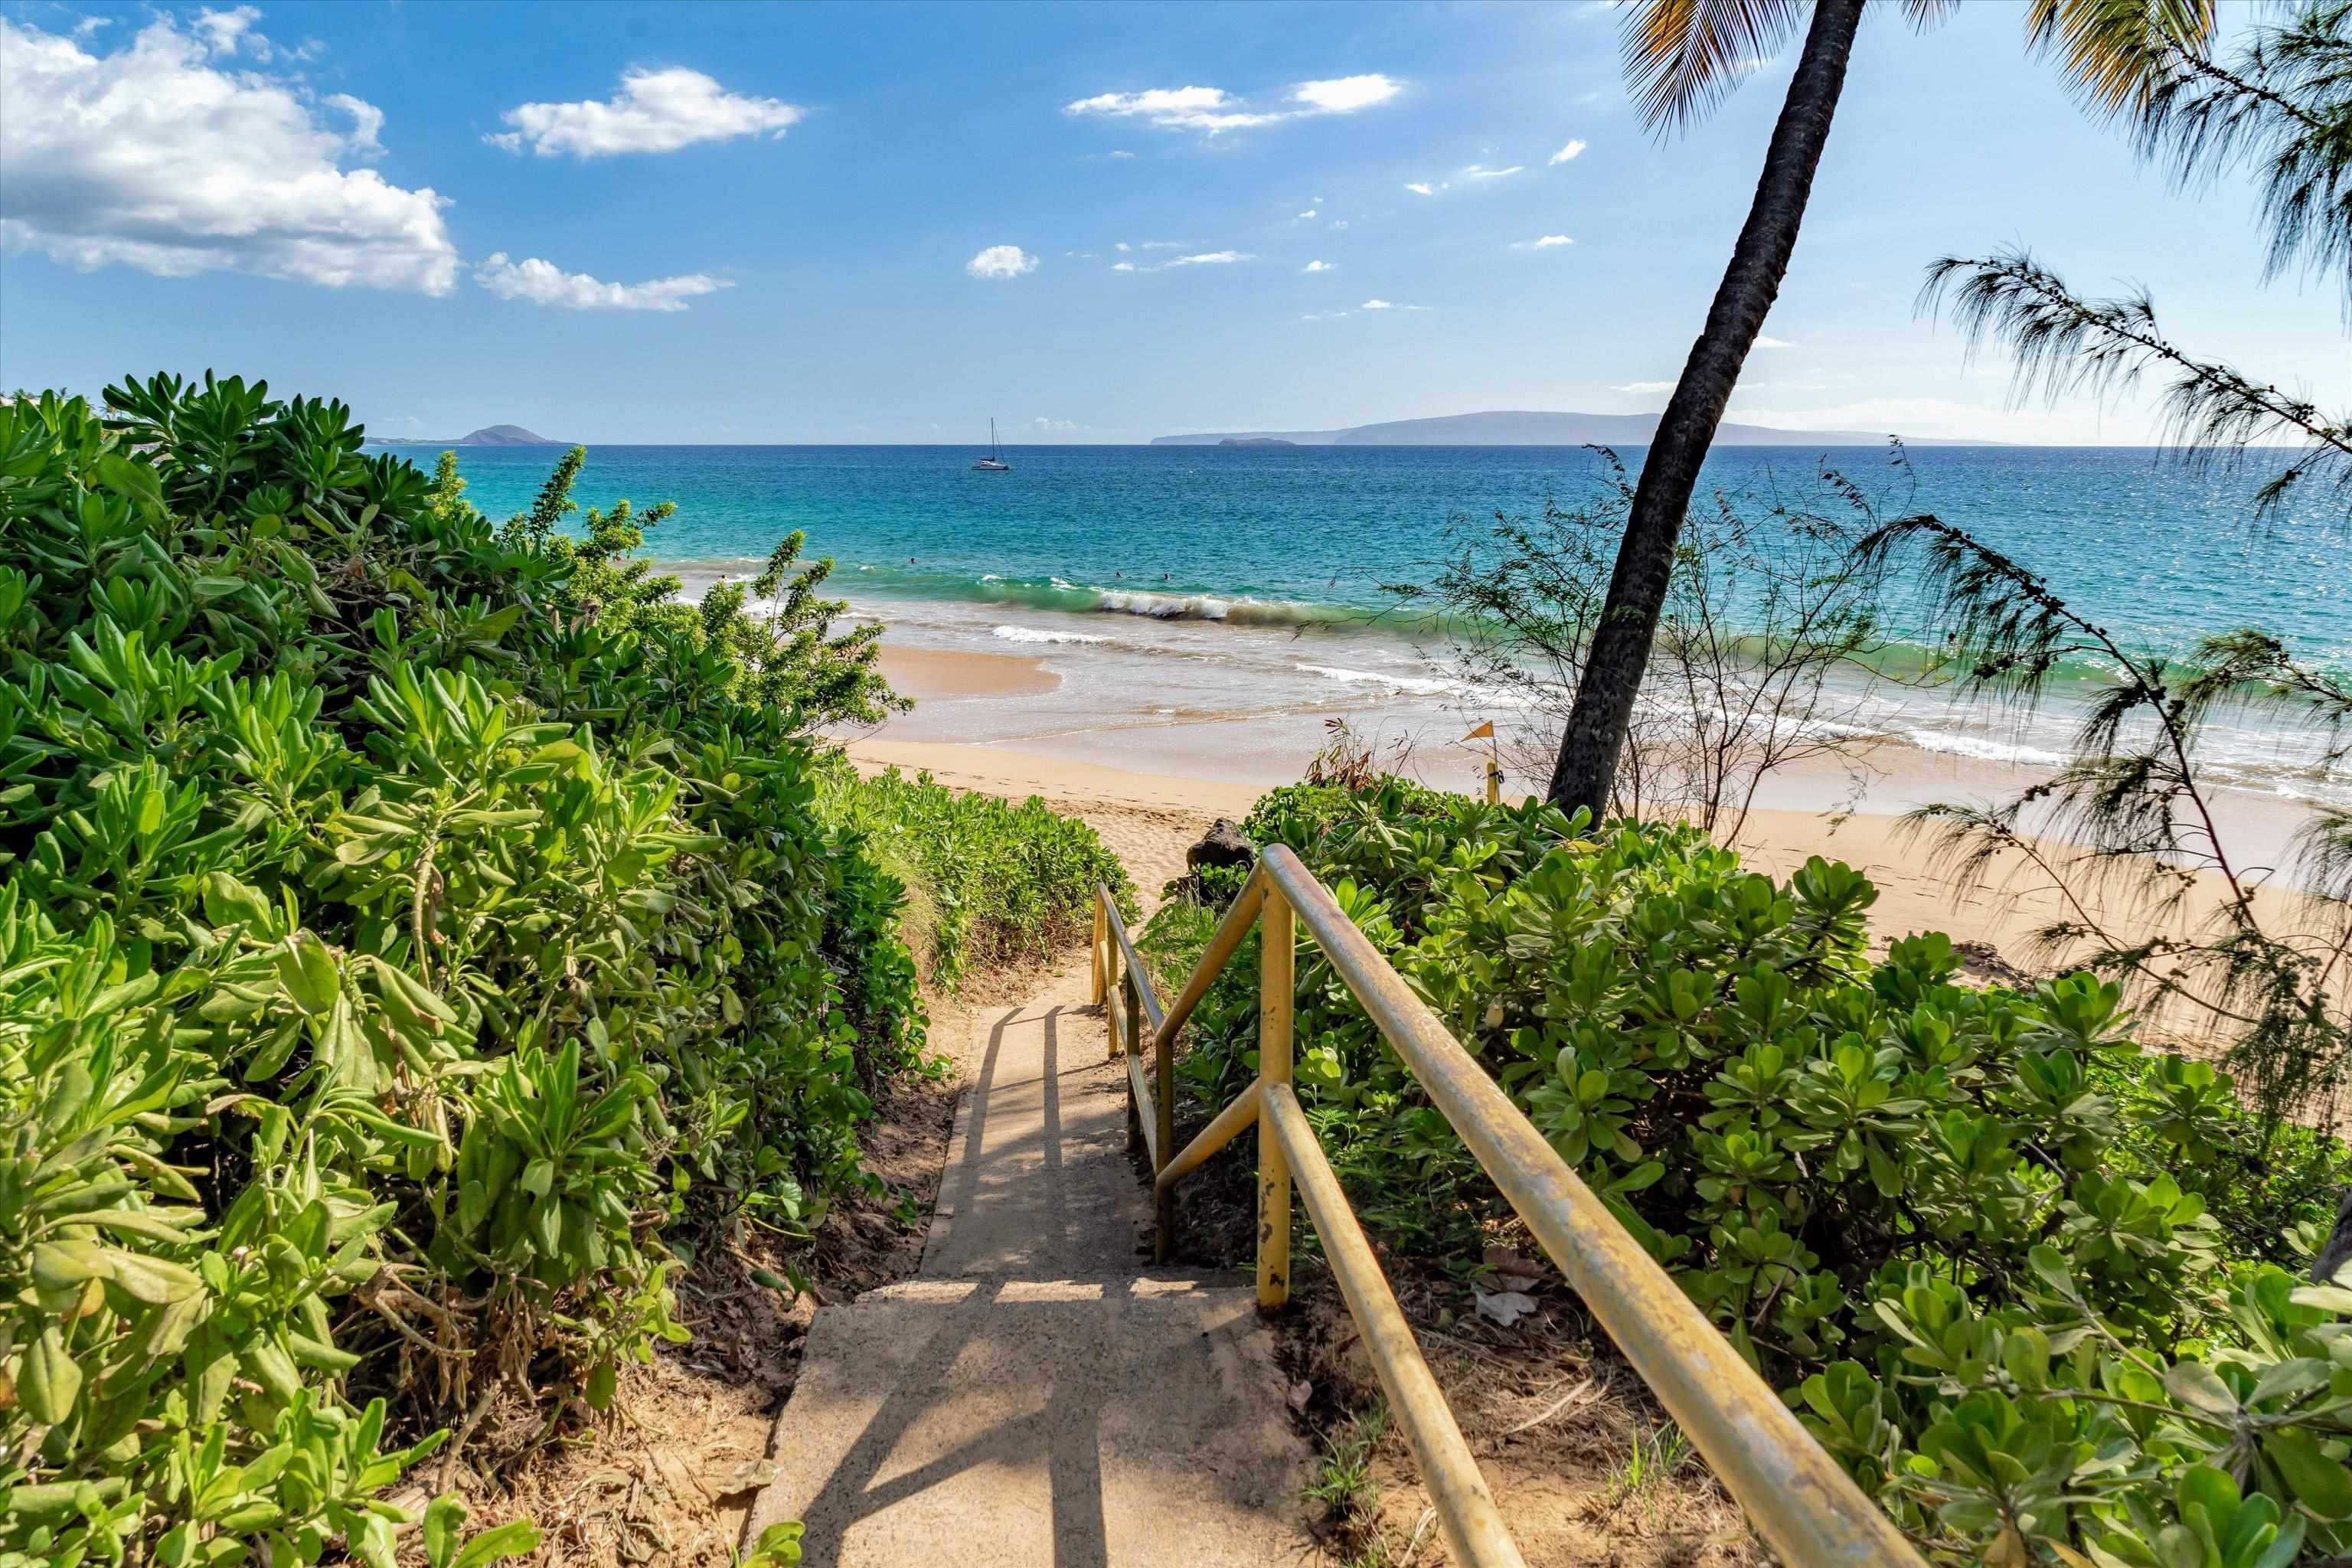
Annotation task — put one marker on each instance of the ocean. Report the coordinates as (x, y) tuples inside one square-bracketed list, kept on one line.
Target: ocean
[(1176, 582)]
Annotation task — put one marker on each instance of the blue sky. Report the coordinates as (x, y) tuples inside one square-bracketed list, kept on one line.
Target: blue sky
[(824, 223)]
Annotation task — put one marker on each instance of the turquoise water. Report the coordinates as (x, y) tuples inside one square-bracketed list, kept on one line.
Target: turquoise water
[(1205, 583), (2155, 552)]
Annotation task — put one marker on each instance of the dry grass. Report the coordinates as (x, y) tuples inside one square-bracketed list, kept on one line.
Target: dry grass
[(1582, 1463)]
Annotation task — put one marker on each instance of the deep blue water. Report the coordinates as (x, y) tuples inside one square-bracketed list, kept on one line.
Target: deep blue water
[(2155, 551)]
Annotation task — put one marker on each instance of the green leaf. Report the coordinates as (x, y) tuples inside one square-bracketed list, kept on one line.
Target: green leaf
[(443, 1516), (171, 1224), (308, 972), (152, 1280), (778, 1546), (137, 480), (49, 1381), (2197, 1387), (513, 1539), (2321, 1484), (228, 901), (60, 1265)]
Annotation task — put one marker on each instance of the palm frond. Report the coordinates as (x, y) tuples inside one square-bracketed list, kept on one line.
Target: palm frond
[(1924, 14), (2113, 52), (1684, 56)]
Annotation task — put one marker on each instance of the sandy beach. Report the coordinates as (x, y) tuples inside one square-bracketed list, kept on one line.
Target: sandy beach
[(933, 675), (1004, 724)]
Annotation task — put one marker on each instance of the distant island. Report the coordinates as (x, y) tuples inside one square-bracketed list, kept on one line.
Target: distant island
[(488, 436), (1522, 428)]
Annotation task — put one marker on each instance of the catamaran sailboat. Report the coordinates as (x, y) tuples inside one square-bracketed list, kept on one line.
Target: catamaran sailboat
[(994, 462)]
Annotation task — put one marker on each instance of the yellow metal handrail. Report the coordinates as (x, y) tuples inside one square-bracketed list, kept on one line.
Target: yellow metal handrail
[(1794, 1492)]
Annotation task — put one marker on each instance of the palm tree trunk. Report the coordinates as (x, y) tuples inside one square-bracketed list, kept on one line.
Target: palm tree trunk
[(1637, 589)]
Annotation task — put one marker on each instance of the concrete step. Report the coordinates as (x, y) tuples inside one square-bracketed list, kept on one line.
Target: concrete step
[(1034, 1395)]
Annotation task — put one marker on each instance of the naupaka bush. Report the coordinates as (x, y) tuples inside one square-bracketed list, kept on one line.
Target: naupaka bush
[(2014, 1272), (413, 931)]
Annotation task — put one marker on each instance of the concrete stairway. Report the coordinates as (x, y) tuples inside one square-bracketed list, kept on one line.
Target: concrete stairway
[(1037, 1394)]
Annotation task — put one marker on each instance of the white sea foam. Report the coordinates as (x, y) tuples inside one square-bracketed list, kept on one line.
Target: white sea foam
[(1416, 685), (1168, 607), (1983, 748), (1031, 635)]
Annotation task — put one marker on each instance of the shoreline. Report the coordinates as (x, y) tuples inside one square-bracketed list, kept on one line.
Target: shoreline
[(1252, 718), (1152, 800)]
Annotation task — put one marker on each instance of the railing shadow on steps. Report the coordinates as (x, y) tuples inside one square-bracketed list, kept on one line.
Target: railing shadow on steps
[(1792, 1491)]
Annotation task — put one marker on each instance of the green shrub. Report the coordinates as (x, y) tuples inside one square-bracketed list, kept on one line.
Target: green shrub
[(408, 928), (1970, 1232), (1002, 883)]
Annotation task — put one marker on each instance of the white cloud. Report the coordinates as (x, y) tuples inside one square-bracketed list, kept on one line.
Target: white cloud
[(367, 124), (544, 283), (1001, 261), (1122, 245), (232, 32), (1045, 427), (1211, 111), (1772, 342), (1204, 109), (1644, 388), (1339, 223), (1421, 188), (1376, 305), (653, 112), (221, 29), (1347, 94), (1310, 212), (152, 157), (1551, 241), (1119, 153), (1204, 259), (1568, 154), (1318, 267), (1479, 172), (1165, 243)]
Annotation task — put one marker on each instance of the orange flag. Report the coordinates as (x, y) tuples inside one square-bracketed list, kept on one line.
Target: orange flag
[(1482, 732)]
